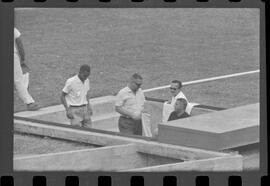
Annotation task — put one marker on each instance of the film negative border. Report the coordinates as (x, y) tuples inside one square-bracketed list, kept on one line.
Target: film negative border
[(134, 1), (8, 177), (163, 180)]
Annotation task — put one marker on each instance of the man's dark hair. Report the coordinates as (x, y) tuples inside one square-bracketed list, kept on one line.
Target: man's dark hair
[(178, 82), (184, 101), (85, 68), (136, 76)]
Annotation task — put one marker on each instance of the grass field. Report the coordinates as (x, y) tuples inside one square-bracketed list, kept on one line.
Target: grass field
[(160, 44)]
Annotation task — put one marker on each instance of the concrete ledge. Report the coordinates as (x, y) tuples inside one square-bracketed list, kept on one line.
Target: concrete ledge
[(230, 163), (99, 101), (140, 153), (214, 131), (104, 116), (150, 147), (104, 158)]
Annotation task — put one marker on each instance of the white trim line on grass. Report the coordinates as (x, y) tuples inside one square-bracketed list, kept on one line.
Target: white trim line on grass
[(60, 107), (205, 80)]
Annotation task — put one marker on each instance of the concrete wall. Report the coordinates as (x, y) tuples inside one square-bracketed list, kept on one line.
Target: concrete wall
[(112, 158), (149, 147), (230, 163), (121, 158), (214, 131), (104, 117), (104, 158), (146, 153)]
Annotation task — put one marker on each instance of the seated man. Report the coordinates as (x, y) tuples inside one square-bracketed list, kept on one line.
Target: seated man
[(176, 92), (179, 110)]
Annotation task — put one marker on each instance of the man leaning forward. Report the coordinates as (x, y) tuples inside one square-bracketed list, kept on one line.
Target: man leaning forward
[(74, 98), (130, 104)]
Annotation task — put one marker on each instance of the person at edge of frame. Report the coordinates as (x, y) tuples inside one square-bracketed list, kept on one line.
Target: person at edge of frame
[(74, 97), (179, 110), (130, 105), (176, 92), (21, 73)]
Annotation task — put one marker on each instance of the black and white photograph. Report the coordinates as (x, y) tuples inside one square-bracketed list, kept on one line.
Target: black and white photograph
[(136, 89)]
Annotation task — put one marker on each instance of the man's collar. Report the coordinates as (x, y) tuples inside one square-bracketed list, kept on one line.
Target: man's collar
[(77, 77), (178, 94), (129, 90)]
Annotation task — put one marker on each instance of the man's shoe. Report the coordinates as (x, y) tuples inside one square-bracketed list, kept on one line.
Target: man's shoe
[(32, 107)]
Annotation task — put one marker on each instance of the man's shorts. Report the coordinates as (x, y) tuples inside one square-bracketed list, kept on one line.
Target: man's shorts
[(81, 116)]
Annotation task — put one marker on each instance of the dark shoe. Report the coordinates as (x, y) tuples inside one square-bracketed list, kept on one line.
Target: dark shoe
[(33, 107)]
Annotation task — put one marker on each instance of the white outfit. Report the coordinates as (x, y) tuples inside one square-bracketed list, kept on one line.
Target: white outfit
[(146, 125), (76, 91), (21, 80), (168, 108)]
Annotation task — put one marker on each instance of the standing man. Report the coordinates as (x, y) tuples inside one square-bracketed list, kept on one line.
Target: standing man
[(176, 93), (130, 104), (74, 98), (21, 73)]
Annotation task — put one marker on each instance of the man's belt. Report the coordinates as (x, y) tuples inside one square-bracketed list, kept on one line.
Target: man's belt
[(78, 105), (127, 117)]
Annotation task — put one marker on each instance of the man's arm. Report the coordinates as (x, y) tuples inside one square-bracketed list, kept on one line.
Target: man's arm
[(88, 104), (20, 49), (63, 100), (123, 111)]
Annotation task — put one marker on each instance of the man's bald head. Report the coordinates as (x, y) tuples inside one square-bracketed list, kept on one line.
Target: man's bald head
[(136, 81)]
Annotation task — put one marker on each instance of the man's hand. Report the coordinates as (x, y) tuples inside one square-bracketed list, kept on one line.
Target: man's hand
[(137, 116), (25, 68), (69, 114)]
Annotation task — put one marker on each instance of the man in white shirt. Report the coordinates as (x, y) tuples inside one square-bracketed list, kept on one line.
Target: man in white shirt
[(21, 73), (176, 93), (74, 98), (130, 104)]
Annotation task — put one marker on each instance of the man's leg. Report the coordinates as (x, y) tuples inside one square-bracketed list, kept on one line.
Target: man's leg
[(19, 83), (77, 116), (126, 126), (87, 122), (138, 127), (22, 86)]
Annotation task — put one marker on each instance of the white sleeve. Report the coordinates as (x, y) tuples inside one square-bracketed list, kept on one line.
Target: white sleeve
[(181, 95), (119, 99), (67, 87), (142, 99), (17, 34)]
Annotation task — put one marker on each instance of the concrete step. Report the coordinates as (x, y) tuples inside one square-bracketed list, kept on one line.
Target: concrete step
[(218, 130), (106, 122), (100, 106), (100, 109)]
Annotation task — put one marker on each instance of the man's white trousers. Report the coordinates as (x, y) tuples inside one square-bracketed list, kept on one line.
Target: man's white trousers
[(21, 81)]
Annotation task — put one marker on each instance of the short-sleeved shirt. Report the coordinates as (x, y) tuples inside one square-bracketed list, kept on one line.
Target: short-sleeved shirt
[(133, 102), (181, 95), (76, 91), (174, 116), (17, 34)]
